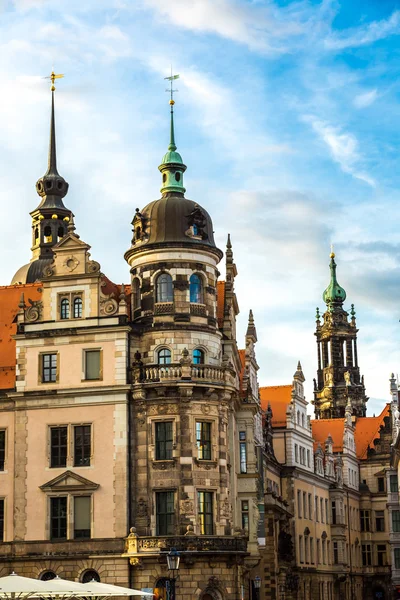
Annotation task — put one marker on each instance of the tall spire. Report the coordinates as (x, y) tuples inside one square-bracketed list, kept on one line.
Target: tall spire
[(52, 187), (334, 295), (172, 167)]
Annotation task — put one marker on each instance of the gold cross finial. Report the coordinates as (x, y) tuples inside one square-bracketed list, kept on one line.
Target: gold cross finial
[(171, 78), (53, 77)]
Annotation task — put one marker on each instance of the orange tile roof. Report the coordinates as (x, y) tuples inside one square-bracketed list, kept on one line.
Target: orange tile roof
[(220, 302), (9, 298), (279, 396), (366, 431)]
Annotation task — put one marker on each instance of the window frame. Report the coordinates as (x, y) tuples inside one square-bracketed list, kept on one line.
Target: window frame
[(196, 289), (168, 527), (70, 298), (205, 499), (89, 458), (59, 465), (3, 449), (70, 461), (245, 513), (163, 452), (158, 355), (65, 308), (198, 360), (87, 351), (41, 360), (52, 500), (2, 519), (136, 295), (396, 521), (80, 307), (242, 452), (74, 530), (394, 483), (164, 295), (203, 445)]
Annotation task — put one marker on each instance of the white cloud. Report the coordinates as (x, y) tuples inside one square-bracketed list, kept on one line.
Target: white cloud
[(343, 148), (365, 99), (257, 27), (365, 34)]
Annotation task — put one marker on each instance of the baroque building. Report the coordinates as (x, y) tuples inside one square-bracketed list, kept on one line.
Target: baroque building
[(130, 421), (333, 507)]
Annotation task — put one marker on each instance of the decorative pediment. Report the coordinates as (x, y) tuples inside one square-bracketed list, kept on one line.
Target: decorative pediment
[(69, 482), (71, 241)]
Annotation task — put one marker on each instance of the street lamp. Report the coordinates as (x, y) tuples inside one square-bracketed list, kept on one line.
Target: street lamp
[(173, 558), (257, 585)]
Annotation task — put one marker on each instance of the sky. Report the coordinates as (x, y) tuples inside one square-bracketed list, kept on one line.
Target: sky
[(287, 117)]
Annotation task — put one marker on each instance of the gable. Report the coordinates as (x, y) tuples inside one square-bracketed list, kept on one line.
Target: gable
[(69, 482)]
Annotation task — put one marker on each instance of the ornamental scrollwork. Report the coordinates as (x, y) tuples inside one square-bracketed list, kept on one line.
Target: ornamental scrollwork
[(34, 311)]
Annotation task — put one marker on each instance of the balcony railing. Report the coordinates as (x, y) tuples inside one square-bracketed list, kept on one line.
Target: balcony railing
[(176, 371), (192, 543)]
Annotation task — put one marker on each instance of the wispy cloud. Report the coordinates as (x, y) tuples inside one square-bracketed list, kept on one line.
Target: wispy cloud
[(342, 146), (365, 34), (365, 99), (257, 27)]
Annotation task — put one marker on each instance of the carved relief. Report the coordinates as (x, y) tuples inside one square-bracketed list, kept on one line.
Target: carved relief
[(163, 465), (70, 263), (108, 304), (225, 509), (163, 409), (187, 507), (34, 311), (142, 510), (92, 266)]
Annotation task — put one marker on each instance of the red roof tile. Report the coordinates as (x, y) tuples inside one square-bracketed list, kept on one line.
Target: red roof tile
[(9, 298), (279, 396)]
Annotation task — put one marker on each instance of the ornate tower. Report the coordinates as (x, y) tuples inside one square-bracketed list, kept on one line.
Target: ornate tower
[(338, 378), (50, 219)]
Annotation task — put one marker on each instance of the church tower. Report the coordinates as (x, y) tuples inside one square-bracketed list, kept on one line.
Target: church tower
[(338, 380), (50, 218)]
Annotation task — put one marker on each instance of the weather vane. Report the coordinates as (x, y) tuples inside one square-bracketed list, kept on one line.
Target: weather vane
[(53, 77), (171, 91)]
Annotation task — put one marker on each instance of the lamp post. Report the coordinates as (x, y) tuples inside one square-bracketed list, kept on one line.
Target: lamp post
[(257, 586), (173, 558)]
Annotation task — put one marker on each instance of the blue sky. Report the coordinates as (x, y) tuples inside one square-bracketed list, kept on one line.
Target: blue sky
[(287, 117)]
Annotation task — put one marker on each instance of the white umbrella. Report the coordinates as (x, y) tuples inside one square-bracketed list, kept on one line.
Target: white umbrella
[(64, 587), (106, 589), (15, 586)]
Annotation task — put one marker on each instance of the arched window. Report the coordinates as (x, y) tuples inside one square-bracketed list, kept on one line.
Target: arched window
[(89, 576), (136, 294), (302, 419), (164, 356), (64, 309), (47, 575), (298, 417), (164, 291), (198, 357), (196, 289), (60, 233), (78, 308), (47, 234)]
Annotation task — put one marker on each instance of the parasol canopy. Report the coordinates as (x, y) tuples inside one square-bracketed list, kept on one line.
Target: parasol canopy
[(105, 589)]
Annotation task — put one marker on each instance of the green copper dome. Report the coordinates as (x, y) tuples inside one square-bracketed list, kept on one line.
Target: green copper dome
[(172, 157), (334, 294)]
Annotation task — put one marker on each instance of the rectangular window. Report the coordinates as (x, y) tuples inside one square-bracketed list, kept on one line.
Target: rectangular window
[(301, 549), (312, 550), (397, 558), (306, 549), (93, 365), (333, 512), (380, 520), (329, 553), (316, 509), (49, 368), (58, 518), (365, 520), (245, 514), (310, 507), (296, 453), (335, 553), (164, 440), (322, 510), (205, 510), (82, 445), (203, 440), (308, 458), (58, 446), (394, 484), (381, 484), (243, 451), (1, 519), (2, 448), (82, 517), (366, 555), (324, 552), (299, 503), (305, 505), (318, 551), (326, 512), (165, 513), (396, 521), (381, 555)]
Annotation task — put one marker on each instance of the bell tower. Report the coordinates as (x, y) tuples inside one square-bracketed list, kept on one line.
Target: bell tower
[(338, 382)]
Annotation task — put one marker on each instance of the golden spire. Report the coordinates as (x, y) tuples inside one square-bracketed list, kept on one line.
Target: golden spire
[(332, 254), (53, 77)]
